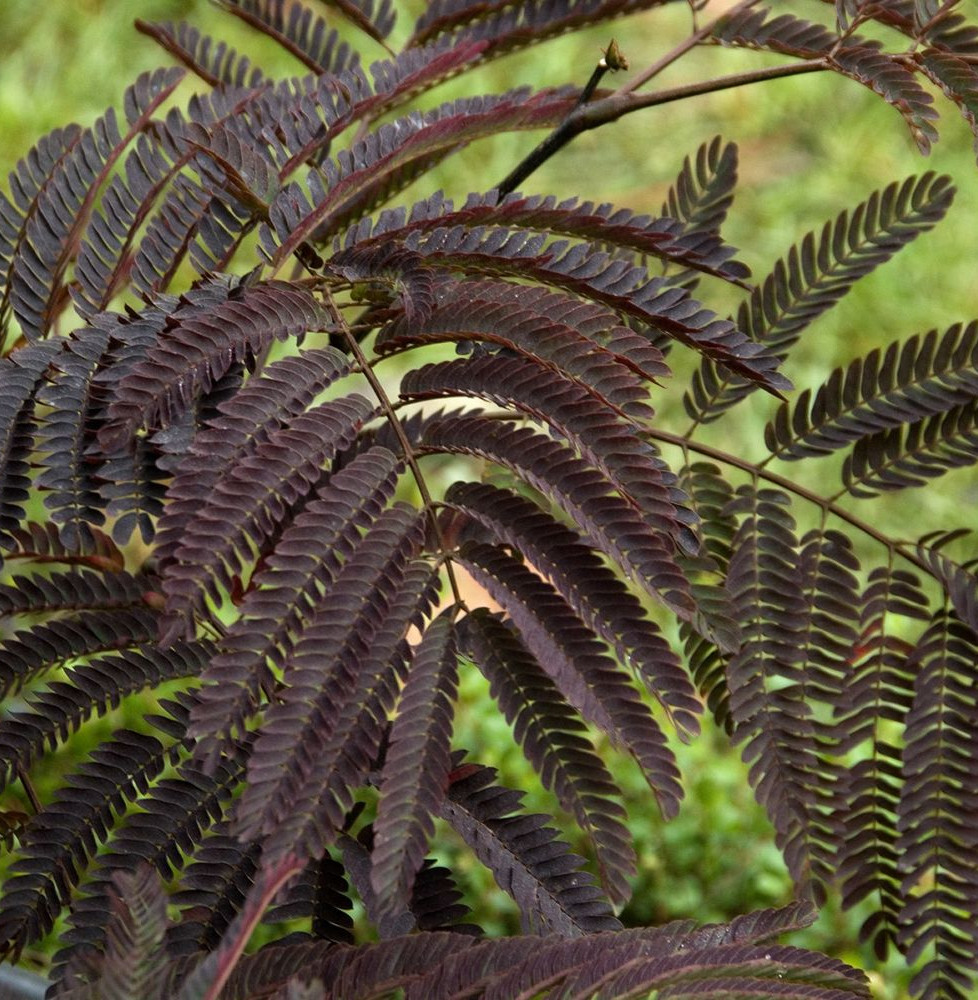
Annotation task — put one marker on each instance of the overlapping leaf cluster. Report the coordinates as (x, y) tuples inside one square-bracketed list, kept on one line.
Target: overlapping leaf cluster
[(212, 490)]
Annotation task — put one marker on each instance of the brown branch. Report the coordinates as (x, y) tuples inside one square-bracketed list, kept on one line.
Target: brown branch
[(29, 790), (789, 486), (698, 36), (585, 117)]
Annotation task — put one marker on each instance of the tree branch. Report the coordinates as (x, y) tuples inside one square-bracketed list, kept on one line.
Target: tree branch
[(698, 36), (585, 117), (790, 486)]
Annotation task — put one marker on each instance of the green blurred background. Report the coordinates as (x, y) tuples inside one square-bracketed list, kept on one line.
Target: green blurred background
[(810, 147)]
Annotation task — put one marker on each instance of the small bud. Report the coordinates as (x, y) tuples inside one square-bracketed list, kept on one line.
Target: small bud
[(614, 58)]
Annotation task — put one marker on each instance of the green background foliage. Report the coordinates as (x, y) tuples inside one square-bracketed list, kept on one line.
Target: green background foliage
[(810, 146)]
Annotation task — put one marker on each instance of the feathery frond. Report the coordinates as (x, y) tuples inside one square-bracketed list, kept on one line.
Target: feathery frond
[(226, 323), (816, 274)]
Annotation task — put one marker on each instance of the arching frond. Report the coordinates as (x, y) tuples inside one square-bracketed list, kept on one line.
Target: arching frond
[(31, 652), (323, 679), (816, 274), (766, 677), (283, 468), (586, 343), (33, 174), (611, 524), (603, 603), (55, 221), (304, 562), (925, 376), (934, 838), (59, 843), (93, 689), (299, 31), (385, 161), (859, 59)]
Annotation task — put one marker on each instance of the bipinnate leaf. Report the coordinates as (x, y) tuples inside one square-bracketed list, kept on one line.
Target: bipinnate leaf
[(857, 58), (588, 344), (878, 692), (936, 810), (306, 529), (59, 843), (609, 443), (913, 454), (94, 688), (766, 677), (660, 309), (414, 777), (286, 593), (285, 389), (283, 469), (613, 525), (201, 340), (666, 238), (30, 177)]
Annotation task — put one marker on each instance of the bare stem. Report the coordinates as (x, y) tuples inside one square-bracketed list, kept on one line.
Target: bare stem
[(585, 117), (828, 506), (28, 786), (385, 404), (698, 36)]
